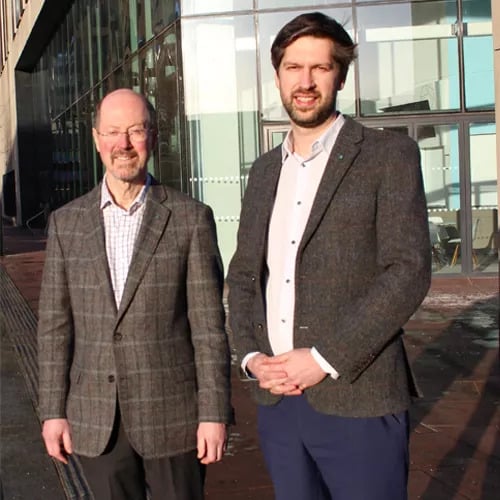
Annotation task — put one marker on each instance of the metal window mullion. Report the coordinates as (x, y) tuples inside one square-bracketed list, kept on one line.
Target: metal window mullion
[(465, 198), (133, 25), (99, 41), (461, 59), (89, 46)]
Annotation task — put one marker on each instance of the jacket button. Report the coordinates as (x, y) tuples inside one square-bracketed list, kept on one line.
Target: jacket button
[(260, 326), (117, 337), (253, 278), (111, 379)]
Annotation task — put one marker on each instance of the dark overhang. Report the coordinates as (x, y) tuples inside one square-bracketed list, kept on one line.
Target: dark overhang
[(50, 18)]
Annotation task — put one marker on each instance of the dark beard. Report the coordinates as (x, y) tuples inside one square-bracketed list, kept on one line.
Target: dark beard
[(320, 116)]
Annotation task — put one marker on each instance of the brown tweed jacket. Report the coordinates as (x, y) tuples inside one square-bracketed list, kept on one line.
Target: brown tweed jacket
[(163, 353), (363, 267)]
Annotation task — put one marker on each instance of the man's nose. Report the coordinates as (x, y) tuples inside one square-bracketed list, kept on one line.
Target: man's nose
[(124, 140), (306, 78)]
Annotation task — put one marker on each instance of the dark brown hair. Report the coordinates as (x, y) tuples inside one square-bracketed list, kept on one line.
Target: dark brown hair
[(317, 25)]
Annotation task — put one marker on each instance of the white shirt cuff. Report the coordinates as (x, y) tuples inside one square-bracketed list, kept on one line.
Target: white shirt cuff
[(323, 363), (244, 362)]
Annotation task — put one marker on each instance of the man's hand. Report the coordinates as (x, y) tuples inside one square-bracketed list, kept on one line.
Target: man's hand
[(56, 434), (270, 374), (301, 369), (212, 438)]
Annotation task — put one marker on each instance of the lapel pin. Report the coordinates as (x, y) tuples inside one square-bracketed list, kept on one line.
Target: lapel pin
[(341, 156)]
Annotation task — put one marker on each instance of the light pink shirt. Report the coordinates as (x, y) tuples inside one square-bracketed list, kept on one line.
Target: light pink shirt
[(121, 228), (297, 187)]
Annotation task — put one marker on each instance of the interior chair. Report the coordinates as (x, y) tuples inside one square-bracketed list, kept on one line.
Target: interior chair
[(458, 242)]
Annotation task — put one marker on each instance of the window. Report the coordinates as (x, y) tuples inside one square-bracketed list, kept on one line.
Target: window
[(220, 78), (478, 55), (17, 11), (408, 57), (190, 7)]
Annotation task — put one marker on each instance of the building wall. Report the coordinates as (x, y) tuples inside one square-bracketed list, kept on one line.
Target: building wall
[(212, 83), (495, 14), (17, 37)]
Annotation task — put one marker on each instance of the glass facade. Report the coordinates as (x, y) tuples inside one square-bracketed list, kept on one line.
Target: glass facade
[(222, 117), (425, 68), (408, 57)]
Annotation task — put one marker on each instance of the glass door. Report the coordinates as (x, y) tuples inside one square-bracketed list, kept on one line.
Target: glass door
[(483, 227)]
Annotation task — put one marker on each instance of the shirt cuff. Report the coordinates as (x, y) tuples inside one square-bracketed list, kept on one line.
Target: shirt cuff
[(323, 363), (244, 362)]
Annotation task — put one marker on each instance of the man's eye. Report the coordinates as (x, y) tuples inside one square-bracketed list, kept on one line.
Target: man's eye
[(113, 133)]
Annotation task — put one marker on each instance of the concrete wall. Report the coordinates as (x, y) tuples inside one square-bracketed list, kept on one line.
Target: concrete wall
[(9, 157), (495, 7)]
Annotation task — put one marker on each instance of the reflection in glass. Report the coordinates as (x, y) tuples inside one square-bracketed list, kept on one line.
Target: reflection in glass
[(121, 35), (478, 50), (170, 169), (73, 48), (144, 28), (408, 57), (222, 113), (134, 34), (205, 6), (484, 196), (96, 50), (268, 4), (147, 83), (440, 168), (269, 25), (83, 48), (163, 12)]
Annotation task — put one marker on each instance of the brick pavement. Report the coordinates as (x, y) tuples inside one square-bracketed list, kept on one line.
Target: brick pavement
[(455, 443)]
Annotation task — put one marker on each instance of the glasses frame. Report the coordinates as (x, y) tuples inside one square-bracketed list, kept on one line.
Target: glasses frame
[(116, 134)]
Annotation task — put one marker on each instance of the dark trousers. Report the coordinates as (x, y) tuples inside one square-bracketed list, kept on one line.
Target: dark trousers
[(121, 474), (313, 456)]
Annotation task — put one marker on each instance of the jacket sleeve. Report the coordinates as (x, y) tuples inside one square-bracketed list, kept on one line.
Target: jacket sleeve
[(55, 330), (206, 318), (245, 277), (369, 323)]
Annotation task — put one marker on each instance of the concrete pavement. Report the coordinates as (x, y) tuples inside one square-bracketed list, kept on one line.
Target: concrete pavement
[(453, 344)]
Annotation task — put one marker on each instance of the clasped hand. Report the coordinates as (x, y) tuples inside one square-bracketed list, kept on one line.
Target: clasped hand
[(288, 374)]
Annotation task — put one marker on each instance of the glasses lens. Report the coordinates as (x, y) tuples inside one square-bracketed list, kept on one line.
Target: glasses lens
[(138, 135)]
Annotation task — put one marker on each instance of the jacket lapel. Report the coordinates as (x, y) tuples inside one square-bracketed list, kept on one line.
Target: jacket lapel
[(344, 152), (96, 245), (269, 184), (154, 221)]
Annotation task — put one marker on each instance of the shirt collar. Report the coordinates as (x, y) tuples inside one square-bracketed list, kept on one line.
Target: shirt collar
[(324, 142), (107, 198)]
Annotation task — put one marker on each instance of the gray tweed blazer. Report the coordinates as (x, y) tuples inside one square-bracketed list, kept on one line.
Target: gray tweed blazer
[(163, 353), (363, 267)]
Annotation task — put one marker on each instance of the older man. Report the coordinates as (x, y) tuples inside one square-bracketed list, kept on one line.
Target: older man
[(134, 363)]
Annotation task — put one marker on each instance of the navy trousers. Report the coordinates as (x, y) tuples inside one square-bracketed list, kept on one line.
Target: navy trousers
[(314, 456)]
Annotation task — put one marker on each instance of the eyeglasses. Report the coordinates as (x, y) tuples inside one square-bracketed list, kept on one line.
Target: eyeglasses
[(134, 135)]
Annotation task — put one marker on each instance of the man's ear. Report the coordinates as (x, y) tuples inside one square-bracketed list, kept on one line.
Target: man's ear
[(95, 135), (276, 79)]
